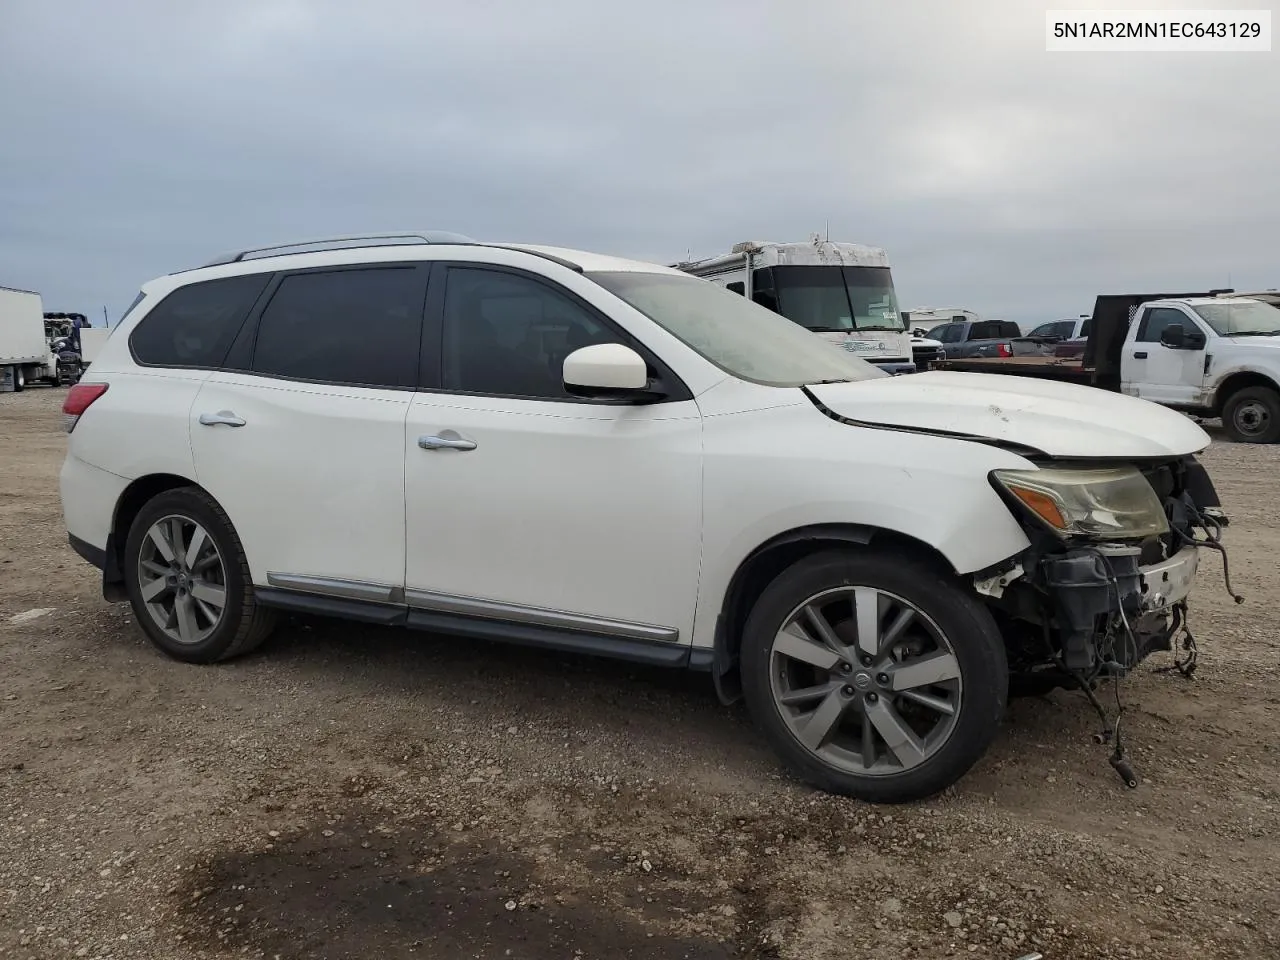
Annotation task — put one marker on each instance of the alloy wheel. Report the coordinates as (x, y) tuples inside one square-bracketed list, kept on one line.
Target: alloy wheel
[(182, 579), (865, 681)]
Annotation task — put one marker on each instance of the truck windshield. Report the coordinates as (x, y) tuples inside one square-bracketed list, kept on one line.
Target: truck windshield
[(827, 298), (742, 338), (1241, 318)]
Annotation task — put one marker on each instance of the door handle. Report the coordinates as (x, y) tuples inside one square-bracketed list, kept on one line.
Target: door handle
[(446, 440), (1140, 355), (223, 418)]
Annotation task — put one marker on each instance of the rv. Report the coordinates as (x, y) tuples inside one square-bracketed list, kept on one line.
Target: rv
[(841, 291)]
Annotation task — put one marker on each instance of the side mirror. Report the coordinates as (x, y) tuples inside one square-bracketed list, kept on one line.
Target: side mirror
[(1177, 337), (1174, 337), (606, 370)]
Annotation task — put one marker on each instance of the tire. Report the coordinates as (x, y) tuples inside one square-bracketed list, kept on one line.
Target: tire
[(189, 631), (19, 380), (950, 637), (1252, 415)]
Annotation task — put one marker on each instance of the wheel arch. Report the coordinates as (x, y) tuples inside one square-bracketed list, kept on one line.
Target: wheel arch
[(131, 501), (773, 556), (1240, 380)]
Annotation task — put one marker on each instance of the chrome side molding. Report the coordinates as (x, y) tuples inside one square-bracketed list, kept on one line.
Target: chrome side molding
[(494, 610), (538, 616)]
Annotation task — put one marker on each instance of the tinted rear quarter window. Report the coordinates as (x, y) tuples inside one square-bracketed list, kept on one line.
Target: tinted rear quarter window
[(357, 327), (194, 325)]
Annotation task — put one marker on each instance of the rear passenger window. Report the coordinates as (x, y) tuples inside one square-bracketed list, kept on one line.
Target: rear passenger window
[(194, 325), (357, 327)]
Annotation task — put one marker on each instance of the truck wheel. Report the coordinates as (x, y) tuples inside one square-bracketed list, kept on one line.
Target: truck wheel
[(1252, 415), (188, 580), (19, 380), (873, 675)]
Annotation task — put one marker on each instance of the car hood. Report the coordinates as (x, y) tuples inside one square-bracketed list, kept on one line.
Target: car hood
[(1058, 419), (1272, 342)]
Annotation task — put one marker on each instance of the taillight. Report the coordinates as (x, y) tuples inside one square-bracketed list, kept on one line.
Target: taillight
[(79, 398), (1003, 350)]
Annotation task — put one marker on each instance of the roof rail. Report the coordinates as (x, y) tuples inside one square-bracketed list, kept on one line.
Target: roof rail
[(427, 236)]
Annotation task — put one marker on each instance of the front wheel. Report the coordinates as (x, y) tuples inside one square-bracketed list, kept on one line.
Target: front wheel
[(1252, 415), (874, 675)]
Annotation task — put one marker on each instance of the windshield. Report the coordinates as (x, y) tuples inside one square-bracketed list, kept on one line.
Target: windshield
[(738, 336), (837, 298), (1241, 317)]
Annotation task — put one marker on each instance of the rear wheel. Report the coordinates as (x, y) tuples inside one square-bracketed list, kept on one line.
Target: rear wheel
[(19, 380), (1252, 415), (873, 675), (188, 580)]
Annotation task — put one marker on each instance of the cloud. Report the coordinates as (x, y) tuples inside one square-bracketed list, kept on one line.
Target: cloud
[(142, 137)]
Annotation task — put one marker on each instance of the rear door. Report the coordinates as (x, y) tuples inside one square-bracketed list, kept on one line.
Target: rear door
[(1155, 372), (302, 439)]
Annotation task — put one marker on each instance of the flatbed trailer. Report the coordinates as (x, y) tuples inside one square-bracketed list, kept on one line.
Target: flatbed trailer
[(1071, 370)]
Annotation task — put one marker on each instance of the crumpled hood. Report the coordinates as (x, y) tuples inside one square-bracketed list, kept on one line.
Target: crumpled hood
[(1059, 419)]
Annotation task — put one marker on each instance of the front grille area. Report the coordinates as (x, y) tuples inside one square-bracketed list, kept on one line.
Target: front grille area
[(923, 356)]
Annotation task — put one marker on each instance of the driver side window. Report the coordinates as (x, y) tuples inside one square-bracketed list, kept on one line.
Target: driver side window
[(1155, 320), (508, 335)]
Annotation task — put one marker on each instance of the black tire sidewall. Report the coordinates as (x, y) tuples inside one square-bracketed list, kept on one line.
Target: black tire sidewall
[(1264, 395), (959, 615), (191, 505)]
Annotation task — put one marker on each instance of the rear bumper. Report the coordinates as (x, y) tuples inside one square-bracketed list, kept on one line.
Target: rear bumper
[(89, 497), (95, 555)]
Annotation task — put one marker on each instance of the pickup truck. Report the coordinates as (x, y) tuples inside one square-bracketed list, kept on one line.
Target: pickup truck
[(976, 338), (1057, 338), (1209, 355)]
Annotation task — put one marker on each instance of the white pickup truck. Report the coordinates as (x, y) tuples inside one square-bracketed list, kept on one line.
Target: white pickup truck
[(1208, 356), (1212, 356)]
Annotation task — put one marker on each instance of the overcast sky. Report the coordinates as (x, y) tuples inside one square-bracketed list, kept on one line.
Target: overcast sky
[(143, 137)]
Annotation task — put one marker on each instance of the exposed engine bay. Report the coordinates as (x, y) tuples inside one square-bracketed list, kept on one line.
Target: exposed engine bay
[(1075, 610)]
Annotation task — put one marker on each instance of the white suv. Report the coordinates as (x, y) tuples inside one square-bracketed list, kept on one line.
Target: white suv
[(574, 451)]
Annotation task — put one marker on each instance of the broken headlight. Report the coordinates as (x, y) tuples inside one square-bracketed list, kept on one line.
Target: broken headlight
[(1101, 504)]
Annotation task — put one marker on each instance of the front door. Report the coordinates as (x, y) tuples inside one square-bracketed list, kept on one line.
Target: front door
[(530, 507), (304, 446), (1159, 373)]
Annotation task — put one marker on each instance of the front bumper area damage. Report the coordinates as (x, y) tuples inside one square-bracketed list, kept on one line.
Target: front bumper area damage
[(1093, 584), (1075, 612)]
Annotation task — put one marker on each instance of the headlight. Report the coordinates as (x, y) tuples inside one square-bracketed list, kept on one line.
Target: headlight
[(1116, 502)]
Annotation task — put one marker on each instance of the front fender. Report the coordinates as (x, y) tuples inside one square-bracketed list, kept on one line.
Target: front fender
[(813, 471)]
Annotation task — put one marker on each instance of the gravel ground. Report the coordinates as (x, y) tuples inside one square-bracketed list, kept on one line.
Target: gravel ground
[(354, 792)]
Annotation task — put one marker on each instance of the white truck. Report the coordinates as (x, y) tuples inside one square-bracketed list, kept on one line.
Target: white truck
[(1212, 356), (841, 291), (24, 349), (1208, 355)]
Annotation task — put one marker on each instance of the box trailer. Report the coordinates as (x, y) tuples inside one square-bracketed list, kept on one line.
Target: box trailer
[(24, 350)]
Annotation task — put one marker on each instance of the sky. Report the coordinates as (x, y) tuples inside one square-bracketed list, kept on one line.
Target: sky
[(141, 137)]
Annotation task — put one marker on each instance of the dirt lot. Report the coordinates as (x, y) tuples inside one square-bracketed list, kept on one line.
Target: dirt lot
[(356, 792)]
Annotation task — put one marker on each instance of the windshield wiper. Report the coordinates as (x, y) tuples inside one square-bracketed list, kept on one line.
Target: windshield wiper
[(814, 383), (889, 329), (1255, 333), (829, 329)]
